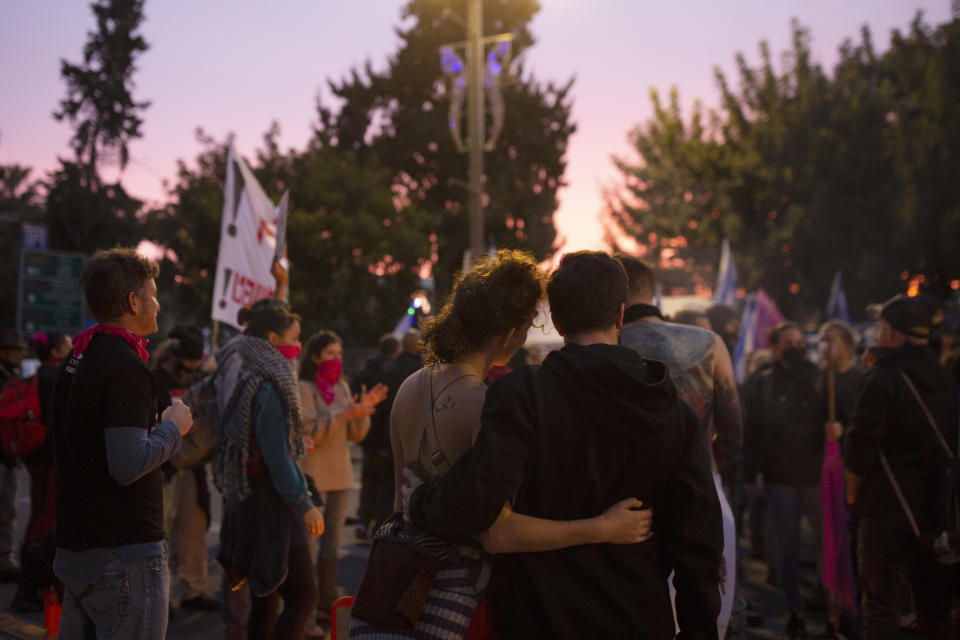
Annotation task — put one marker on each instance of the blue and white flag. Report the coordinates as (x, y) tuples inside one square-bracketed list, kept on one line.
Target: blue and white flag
[(745, 341), (837, 308), (726, 289), (760, 313)]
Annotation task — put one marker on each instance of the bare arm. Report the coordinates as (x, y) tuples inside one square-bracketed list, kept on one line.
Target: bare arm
[(396, 445), (623, 523), (282, 277)]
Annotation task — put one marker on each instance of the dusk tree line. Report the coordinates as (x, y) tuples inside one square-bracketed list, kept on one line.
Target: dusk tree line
[(806, 172)]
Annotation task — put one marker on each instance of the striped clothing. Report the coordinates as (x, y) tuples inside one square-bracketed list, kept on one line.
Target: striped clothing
[(456, 591)]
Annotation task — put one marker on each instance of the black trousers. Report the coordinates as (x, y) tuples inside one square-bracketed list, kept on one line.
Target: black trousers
[(297, 596), (888, 556), (376, 489)]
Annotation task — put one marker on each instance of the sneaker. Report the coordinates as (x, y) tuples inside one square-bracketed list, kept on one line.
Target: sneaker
[(795, 627), (200, 603)]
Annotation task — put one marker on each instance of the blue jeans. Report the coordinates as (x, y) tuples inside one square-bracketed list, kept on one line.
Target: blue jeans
[(110, 594), (786, 504)]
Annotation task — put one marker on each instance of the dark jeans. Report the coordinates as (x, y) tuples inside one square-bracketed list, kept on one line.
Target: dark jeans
[(124, 600), (889, 555), (297, 596), (376, 489), (787, 504)]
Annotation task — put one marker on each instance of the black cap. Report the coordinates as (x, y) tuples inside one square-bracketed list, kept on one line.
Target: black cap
[(907, 315), (10, 339), (187, 342)]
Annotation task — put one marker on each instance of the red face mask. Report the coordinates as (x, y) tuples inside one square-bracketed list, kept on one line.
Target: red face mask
[(289, 351), (330, 370)]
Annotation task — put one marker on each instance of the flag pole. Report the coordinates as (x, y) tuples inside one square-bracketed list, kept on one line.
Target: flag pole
[(214, 337)]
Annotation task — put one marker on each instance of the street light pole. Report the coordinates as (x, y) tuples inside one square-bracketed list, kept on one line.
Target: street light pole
[(475, 62)]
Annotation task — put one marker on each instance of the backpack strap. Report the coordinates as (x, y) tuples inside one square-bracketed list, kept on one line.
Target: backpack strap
[(926, 412), (899, 493)]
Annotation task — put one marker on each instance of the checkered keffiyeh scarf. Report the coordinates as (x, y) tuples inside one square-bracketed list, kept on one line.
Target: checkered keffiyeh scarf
[(261, 362)]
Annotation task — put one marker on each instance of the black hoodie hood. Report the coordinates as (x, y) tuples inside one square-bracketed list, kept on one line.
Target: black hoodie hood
[(611, 383)]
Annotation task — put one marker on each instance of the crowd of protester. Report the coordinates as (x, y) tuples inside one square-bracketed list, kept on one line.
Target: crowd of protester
[(598, 490)]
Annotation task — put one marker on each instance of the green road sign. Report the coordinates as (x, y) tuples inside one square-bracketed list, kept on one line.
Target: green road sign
[(49, 297)]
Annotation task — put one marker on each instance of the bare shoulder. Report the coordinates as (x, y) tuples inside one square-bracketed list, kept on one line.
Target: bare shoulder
[(410, 387)]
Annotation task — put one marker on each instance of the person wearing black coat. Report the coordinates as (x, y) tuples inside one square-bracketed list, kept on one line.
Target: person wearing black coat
[(784, 415), (377, 485), (890, 421)]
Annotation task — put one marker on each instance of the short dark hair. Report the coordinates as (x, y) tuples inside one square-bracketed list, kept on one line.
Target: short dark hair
[(779, 329), (640, 277), (497, 294), (109, 276), (586, 292), (314, 347), (261, 320), (720, 315), (388, 345)]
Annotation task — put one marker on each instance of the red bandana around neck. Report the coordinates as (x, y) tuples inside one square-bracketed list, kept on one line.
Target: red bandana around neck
[(328, 373), (137, 343)]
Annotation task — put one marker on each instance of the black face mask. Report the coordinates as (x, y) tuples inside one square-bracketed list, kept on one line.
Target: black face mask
[(794, 356)]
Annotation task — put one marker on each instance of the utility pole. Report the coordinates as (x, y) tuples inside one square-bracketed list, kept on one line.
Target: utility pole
[(475, 116), (475, 78)]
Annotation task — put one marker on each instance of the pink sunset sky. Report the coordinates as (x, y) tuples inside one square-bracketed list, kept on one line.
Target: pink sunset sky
[(237, 65)]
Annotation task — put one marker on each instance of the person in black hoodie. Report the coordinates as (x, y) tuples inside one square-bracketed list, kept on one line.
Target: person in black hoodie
[(889, 421), (565, 440)]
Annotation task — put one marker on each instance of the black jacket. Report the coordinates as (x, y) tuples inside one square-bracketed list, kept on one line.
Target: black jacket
[(565, 441), (889, 419), (783, 415), (392, 374)]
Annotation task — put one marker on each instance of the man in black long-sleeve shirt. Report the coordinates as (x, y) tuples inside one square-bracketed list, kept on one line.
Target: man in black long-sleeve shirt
[(111, 555), (594, 425)]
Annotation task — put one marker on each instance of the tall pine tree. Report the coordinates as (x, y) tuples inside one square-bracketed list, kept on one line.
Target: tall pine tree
[(83, 212)]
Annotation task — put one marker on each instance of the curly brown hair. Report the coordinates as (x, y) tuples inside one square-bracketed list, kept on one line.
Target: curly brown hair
[(495, 295)]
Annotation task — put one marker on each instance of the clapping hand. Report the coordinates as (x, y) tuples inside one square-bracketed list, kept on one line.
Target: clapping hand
[(373, 397)]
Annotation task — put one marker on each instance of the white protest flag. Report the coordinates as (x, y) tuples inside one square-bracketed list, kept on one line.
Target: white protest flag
[(247, 243)]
